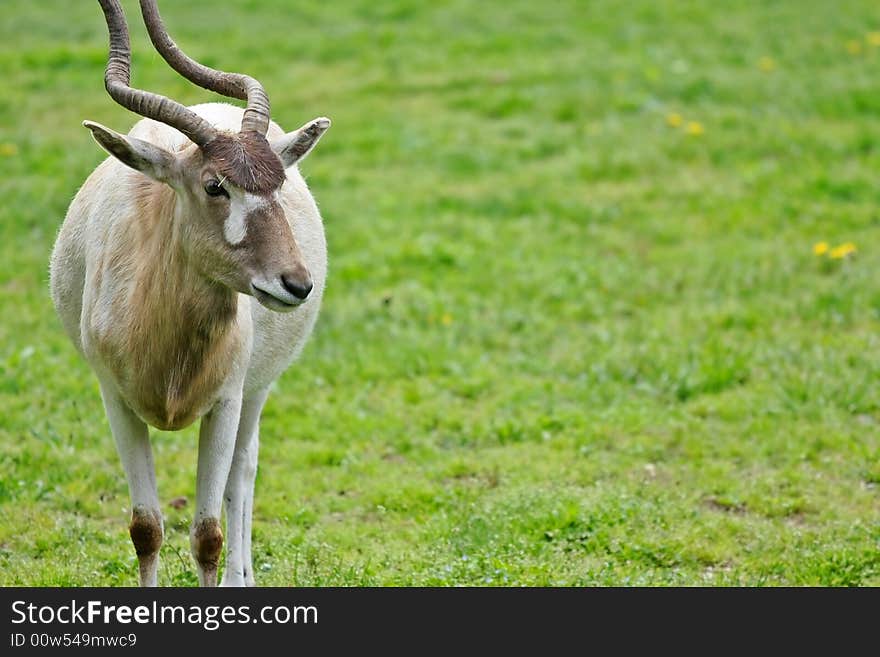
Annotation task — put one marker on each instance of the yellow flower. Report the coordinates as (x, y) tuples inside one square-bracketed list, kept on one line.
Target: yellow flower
[(8, 150), (873, 39), (842, 251), (446, 319), (674, 120), (820, 248), (695, 128), (854, 47), (766, 64)]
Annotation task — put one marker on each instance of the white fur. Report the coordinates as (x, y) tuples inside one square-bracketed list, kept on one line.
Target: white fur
[(240, 206), (100, 216)]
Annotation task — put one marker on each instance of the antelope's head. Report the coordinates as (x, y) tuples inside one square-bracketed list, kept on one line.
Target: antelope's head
[(226, 183)]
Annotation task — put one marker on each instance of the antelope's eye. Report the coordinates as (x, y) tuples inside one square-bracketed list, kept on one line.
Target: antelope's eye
[(214, 188)]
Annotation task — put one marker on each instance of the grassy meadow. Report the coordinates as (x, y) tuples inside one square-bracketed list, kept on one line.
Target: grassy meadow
[(580, 327)]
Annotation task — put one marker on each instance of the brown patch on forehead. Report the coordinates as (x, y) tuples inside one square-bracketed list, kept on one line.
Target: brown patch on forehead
[(247, 161)]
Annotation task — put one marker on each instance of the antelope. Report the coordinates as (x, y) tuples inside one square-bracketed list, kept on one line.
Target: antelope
[(189, 272)]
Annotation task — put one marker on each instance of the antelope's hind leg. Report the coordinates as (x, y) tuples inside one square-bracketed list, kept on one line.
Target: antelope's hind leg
[(133, 444), (240, 495)]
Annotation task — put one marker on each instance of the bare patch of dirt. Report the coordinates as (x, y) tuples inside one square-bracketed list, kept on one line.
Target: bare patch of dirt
[(725, 506), (178, 502)]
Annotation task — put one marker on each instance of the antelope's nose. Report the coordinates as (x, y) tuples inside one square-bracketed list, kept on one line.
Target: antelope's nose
[(298, 284)]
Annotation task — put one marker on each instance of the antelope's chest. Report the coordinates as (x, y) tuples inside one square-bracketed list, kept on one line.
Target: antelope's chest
[(170, 369)]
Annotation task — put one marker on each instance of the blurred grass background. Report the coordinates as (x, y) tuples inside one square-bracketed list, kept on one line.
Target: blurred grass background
[(575, 332)]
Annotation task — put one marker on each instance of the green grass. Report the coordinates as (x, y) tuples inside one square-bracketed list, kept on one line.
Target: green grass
[(563, 342)]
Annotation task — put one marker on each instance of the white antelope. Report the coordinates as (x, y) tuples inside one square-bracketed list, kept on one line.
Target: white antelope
[(189, 271)]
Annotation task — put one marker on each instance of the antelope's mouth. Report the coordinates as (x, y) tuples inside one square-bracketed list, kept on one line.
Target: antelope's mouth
[(272, 302)]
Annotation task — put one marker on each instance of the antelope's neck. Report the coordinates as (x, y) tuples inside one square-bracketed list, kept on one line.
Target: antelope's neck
[(174, 333)]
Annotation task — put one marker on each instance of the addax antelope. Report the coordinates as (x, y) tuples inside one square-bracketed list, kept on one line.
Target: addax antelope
[(189, 272)]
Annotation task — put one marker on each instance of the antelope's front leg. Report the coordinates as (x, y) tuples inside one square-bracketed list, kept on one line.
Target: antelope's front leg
[(216, 446), (133, 444)]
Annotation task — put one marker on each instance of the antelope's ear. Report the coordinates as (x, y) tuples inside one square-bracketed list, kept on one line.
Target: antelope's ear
[(143, 156), (294, 146)]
